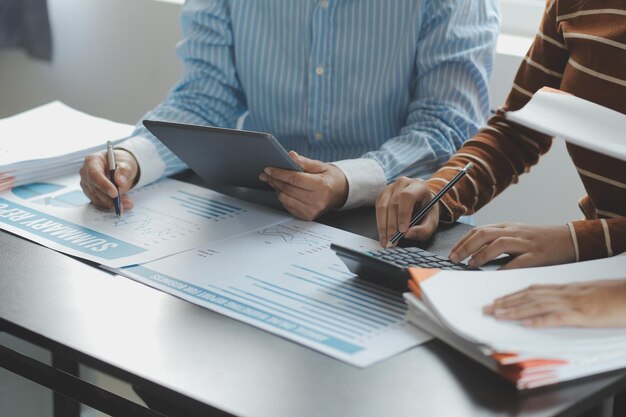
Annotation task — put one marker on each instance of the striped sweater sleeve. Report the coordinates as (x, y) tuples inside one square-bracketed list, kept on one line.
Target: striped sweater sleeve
[(598, 238), (503, 150)]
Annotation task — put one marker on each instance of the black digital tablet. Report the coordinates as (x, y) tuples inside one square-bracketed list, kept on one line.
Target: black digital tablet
[(223, 156)]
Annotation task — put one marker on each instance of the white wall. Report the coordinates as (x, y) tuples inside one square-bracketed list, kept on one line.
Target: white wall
[(113, 58)]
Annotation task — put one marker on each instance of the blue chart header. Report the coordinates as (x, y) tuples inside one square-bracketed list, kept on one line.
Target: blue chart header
[(245, 309), (63, 232)]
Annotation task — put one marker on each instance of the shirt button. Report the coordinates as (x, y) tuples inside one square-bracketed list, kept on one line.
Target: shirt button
[(319, 70), (324, 4), (318, 136)]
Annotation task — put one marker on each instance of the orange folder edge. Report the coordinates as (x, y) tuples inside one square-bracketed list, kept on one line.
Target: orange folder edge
[(505, 359), (418, 276)]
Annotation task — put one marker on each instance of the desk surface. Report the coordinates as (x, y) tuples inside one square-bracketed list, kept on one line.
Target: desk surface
[(242, 370)]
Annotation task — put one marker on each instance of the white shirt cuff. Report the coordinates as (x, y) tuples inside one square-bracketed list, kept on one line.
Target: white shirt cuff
[(366, 179), (151, 166)]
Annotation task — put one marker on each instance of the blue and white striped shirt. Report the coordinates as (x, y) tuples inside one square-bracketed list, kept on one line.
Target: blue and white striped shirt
[(391, 87)]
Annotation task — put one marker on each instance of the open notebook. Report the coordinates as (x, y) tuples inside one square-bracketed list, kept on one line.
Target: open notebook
[(576, 120), (448, 304)]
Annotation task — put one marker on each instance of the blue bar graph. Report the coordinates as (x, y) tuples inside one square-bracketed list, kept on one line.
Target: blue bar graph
[(207, 208)]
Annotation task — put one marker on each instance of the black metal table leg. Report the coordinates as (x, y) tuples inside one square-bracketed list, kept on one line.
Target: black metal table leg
[(71, 386), (65, 406)]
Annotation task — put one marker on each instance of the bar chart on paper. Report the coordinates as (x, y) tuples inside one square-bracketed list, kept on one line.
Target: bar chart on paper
[(168, 217), (324, 301), (209, 208), (292, 285)]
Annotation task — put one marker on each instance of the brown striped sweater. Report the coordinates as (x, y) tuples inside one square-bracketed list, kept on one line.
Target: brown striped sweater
[(580, 48)]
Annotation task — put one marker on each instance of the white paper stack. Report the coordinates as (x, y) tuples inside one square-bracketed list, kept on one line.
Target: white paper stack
[(448, 304), (51, 141), (576, 120)]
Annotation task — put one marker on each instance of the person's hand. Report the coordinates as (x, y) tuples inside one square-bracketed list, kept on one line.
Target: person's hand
[(528, 245), (586, 304), (308, 194), (395, 206), (95, 182)]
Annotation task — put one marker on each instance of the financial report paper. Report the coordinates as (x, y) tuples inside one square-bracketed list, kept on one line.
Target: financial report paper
[(245, 261), (169, 217), (285, 279)]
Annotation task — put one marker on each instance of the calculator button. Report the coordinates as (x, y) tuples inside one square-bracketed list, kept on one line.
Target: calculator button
[(388, 258), (414, 249), (402, 263)]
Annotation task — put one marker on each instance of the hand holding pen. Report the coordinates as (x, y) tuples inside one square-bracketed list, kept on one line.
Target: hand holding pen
[(396, 203), (102, 184)]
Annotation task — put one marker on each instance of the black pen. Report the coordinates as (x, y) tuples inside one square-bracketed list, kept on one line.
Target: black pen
[(420, 214), (111, 160)]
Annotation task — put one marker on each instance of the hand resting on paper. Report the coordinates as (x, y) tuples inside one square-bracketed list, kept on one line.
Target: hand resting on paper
[(528, 245), (594, 304), (95, 182)]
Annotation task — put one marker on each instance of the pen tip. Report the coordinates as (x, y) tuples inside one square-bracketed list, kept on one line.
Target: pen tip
[(389, 245)]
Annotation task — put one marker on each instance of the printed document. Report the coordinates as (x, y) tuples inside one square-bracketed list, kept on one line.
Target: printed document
[(449, 305), (245, 261), (169, 217), (285, 279), (458, 299)]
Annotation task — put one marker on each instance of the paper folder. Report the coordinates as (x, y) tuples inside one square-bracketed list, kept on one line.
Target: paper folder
[(448, 304)]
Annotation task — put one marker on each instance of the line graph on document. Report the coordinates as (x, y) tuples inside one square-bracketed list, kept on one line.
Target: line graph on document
[(305, 243), (148, 226)]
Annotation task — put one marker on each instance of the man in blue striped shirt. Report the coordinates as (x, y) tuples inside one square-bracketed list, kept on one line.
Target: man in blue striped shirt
[(378, 88)]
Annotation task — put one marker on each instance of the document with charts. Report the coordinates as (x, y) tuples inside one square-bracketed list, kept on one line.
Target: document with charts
[(285, 279), (169, 217)]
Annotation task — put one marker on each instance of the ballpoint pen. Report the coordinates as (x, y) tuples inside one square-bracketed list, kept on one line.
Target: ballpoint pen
[(111, 161), (420, 214)]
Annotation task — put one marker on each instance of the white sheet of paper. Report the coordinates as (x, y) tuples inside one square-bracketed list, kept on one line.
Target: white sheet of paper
[(578, 352), (286, 280), (54, 130), (52, 140), (578, 121), (169, 217), (458, 298)]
